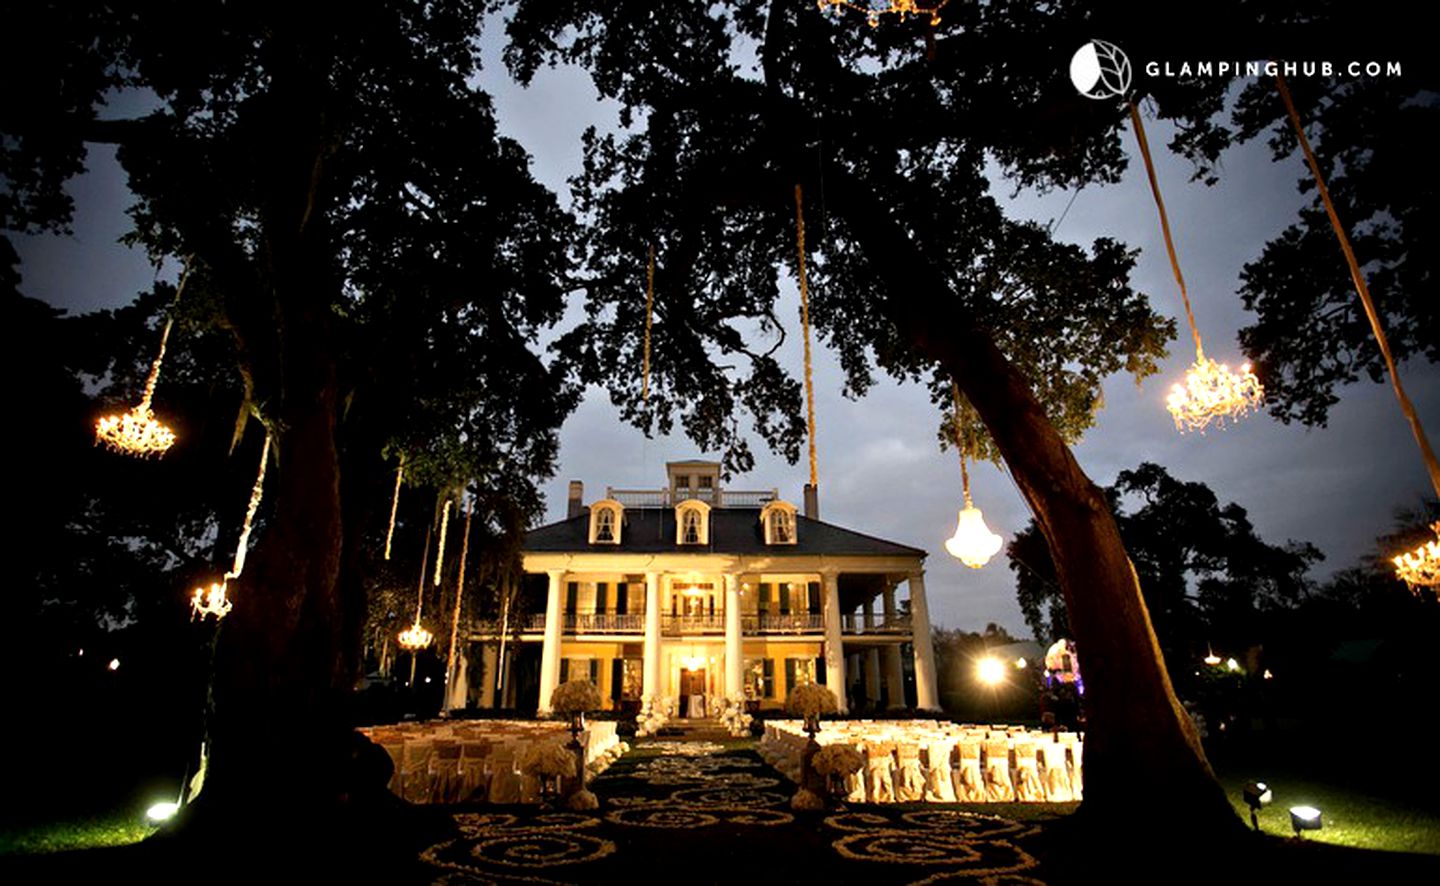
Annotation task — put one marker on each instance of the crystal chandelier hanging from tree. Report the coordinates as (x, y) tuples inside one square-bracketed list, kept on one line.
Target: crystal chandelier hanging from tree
[(1211, 391), (138, 432)]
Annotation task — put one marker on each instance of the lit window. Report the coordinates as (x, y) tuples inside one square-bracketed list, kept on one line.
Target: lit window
[(778, 520), (692, 523), (606, 519)]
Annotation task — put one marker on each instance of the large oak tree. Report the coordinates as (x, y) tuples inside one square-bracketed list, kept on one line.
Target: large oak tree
[(382, 263), (889, 131)]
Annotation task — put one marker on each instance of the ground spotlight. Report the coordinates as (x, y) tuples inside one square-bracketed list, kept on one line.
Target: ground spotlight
[(990, 671), (162, 811), (114, 664), (1304, 818), (1257, 795)]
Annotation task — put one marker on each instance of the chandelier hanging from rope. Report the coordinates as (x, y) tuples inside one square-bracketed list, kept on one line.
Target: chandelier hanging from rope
[(415, 637), (973, 543), (138, 431), (1418, 568), (212, 600), (874, 9), (1211, 392)]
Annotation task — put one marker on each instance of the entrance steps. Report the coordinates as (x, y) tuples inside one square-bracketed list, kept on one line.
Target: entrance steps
[(698, 729)]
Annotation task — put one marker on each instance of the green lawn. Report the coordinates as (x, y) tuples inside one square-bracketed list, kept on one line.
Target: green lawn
[(1351, 817), (118, 828)]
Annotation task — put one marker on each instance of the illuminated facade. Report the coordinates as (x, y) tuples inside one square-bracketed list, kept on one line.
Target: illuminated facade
[(696, 595)]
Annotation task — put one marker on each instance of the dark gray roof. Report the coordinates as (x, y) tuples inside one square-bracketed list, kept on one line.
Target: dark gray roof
[(732, 531)]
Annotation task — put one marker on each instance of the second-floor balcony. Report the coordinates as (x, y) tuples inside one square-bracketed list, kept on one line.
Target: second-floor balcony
[(754, 624), (856, 624)]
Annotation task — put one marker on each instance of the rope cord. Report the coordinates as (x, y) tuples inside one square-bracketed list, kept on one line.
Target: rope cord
[(424, 561), (154, 377), (394, 505), (649, 315), (805, 326), (440, 551), (255, 492), (1165, 227), (960, 445), (459, 594), (1426, 453)]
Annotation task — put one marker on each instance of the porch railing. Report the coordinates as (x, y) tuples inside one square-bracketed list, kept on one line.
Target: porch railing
[(771, 623)]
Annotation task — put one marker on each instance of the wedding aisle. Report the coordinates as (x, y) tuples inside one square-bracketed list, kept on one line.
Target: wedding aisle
[(700, 812)]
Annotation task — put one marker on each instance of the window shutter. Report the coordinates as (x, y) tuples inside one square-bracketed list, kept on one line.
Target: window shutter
[(814, 598), (769, 678), (572, 596), (595, 671), (617, 678), (763, 604), (622, 599), (784, 599), (564, 670), (602, 596), (789, 676), (820, 675)]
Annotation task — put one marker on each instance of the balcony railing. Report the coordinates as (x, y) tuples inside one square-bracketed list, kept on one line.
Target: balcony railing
[(768, 623), (673, 625), (603, 623), (720, 498), (855, 624), (692, 624)]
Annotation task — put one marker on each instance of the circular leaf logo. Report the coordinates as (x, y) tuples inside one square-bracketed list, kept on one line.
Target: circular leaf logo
[(1100, 70)]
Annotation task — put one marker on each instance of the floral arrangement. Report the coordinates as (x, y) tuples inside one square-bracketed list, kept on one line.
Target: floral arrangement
[(548, 760), (575, 697), (735, 718), (837, 760), (654, 713), (810, 700)]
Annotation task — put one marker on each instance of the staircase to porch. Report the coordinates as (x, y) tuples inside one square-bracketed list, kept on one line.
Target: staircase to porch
[(694, 729)]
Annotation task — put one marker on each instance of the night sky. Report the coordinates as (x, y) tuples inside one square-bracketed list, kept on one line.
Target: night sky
[(881, 469)]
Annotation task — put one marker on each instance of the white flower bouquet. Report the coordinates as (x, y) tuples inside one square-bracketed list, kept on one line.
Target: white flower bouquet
[(546, 760), (840, 760), (575, 697), (810, 700)]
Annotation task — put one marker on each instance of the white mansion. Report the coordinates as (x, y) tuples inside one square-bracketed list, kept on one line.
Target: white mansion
[(702, 594)]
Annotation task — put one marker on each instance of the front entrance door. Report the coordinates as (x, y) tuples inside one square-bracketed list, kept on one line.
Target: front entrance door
[(692, 683)]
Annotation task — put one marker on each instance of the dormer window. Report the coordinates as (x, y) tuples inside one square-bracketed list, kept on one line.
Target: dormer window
[(692, 523), (606, 522), (778, 521)]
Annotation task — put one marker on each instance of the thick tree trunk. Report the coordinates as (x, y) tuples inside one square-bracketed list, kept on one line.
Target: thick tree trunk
[(1141, 746)]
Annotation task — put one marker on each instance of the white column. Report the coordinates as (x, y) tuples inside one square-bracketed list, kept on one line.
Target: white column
[(872, 676), (869, 615), (927, 697), (489, 662), (734, 662), (550, 653), (894, 674), (650, 686), (834, 648)]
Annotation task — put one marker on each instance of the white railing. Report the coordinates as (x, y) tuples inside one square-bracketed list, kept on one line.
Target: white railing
[(855, 624), (720, 498)]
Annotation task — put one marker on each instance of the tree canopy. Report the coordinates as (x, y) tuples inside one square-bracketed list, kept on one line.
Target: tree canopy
[(380, 265), (1207, 576)]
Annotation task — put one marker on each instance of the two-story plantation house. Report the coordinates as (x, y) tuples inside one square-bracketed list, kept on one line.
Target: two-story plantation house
[(698, 594)]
